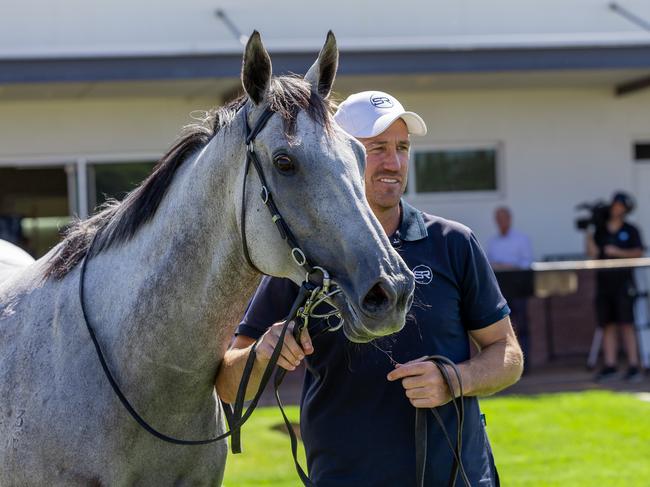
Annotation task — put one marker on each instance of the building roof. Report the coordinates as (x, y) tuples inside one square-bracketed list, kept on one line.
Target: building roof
[(41, 28), (77, 40)]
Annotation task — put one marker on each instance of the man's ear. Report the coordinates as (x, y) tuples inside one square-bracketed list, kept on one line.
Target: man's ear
[(322, 73), (256, 69)]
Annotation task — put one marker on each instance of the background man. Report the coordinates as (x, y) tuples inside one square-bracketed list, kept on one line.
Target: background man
[(615, 290), (511, 249), (357, 408)]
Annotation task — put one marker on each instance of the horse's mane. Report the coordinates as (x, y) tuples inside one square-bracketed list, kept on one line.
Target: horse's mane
[(117, 222)]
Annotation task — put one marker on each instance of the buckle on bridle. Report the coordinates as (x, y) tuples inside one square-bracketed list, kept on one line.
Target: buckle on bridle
[(326, 281), (298, 256), (264, 195), (320, 292)]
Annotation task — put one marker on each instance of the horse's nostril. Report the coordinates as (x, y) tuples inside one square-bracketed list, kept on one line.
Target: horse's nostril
[(377, 299)]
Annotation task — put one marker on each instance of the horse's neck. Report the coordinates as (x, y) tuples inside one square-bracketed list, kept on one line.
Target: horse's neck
[(166, 302)]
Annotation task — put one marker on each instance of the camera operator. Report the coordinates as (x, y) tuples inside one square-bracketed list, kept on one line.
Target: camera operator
[(615, 238)]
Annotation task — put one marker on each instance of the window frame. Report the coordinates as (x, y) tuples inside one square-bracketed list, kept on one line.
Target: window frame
[(78, 163), (639, 141), (447, 196)]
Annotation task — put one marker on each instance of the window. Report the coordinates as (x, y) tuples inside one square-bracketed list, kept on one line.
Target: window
[(35, 205), (460, 169), (114, 180), (642, 152), (40, 197)]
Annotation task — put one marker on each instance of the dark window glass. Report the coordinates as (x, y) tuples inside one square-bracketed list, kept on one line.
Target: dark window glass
[(456, 170), (35, 206), (114, 180), (642, 152)]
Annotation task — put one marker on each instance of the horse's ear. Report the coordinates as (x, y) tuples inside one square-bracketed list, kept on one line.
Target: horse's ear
[(321, 74), (256, 69)]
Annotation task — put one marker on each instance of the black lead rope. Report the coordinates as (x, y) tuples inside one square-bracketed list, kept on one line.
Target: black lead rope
[(236, 419), (300, 259), (279, 377), (237, 416), (421, 426)]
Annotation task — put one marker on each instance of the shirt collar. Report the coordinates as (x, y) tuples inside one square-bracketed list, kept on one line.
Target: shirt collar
[(412, 226)]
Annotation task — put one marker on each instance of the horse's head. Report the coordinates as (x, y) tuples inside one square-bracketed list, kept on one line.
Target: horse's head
[(314, 171)]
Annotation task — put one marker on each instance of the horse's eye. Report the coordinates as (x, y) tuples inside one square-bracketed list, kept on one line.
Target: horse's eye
[(284, 164)]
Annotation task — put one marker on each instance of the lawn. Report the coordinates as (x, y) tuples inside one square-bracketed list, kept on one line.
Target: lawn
[(579, 439)]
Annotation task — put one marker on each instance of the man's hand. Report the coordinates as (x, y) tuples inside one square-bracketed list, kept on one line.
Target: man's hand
[(613, 251), (292, 353), (425, 387)]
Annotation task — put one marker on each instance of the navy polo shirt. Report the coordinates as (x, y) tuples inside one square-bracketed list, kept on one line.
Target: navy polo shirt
[(614, 282), (357, 427)]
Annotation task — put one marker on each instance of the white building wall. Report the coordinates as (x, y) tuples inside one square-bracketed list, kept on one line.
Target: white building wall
[(560, 147), (35, 130)]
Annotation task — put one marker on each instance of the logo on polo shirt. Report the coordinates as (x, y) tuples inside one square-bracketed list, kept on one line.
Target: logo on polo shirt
[(381, 101), (423, 274)]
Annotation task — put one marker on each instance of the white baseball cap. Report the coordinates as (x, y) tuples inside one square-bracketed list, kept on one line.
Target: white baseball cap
[(369, 113)]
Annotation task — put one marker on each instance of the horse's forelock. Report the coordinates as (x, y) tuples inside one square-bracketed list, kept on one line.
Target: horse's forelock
[(291, 94)]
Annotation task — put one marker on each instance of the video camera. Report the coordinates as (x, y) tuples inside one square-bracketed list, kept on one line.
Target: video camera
[(598, 215), (599, 210)]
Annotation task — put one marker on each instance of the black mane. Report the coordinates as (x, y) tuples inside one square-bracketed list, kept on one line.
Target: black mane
[(117, 222)]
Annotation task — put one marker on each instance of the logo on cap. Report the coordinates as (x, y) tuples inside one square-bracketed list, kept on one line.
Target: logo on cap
[(380, 101), (423, 274)]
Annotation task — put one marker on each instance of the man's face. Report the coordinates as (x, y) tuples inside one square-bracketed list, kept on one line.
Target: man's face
[(387, 159), (503, 220), (617, 210)]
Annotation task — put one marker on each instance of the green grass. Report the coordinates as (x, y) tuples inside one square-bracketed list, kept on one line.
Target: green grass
[(580, 439), (266, 454), (595, 438)]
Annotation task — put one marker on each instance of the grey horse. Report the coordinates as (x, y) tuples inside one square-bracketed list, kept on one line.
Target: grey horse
[(167, 282)]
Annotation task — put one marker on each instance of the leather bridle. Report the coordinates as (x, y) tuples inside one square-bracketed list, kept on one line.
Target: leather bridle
[(267, 197), (315, 290)]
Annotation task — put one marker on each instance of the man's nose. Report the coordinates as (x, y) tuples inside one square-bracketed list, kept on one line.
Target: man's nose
[(392, 161)]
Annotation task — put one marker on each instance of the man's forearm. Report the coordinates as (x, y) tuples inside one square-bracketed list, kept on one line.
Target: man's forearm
[(231, 371), (494, 368), (631, 253), (590, 246)]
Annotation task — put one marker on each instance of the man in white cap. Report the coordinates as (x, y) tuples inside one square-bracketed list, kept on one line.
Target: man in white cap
[(358, 403)]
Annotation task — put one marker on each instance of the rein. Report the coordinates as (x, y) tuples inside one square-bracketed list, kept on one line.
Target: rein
[(309, 297), (421, 427)]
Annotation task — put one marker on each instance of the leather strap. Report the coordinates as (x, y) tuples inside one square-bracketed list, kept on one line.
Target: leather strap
[(421, 426), (237, 417), (279, 377), (266, 195)]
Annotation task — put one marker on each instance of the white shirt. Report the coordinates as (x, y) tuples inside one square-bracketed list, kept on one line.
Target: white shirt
[(513, 248)]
